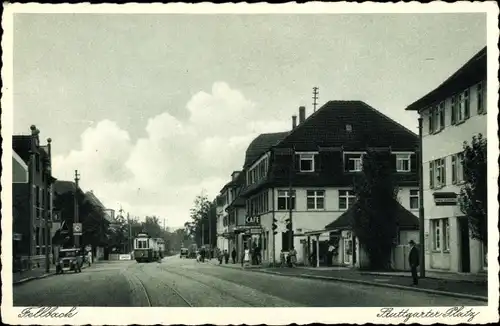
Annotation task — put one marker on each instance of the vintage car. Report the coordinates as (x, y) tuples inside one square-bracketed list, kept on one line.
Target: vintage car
[(69, 260), (184, 252)]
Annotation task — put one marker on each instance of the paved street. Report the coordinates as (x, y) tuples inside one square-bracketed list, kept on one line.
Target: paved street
[(181, 283)]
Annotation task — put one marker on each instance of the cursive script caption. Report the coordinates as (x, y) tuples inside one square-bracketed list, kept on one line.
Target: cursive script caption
[(406, 314), (48, 312)]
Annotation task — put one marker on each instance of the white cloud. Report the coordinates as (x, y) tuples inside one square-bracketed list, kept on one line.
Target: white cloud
[(162, 172)]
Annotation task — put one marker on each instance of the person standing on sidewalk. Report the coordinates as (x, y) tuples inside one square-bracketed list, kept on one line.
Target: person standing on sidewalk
[(414, 261), (233, 255), (226, 256)]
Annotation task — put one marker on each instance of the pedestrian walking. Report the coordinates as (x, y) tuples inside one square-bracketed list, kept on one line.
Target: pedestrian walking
[(246, 257), (414, 260), (331, 248), (293, 257), (219, 256), (282, 258), (233, 255), (226, 256)]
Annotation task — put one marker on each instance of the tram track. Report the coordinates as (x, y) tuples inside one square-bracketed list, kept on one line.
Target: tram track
[(140, 268), (169, 270)]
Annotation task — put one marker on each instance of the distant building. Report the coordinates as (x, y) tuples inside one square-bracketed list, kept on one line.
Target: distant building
[(452, 113), (31, 200)]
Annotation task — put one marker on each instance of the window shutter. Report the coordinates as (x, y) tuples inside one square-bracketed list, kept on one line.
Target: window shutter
[(453, 110), (317, 162), (453, 169), (346, 163), (443, 174), (442, 117), (413, 162), (297, 162), (467, 105), (431, 174), (431, 121)]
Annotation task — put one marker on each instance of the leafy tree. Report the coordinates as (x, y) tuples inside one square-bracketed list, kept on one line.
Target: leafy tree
[(198, 227), (474, 192), (375, 212)]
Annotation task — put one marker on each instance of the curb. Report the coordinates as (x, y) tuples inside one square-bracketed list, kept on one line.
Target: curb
[(32, 278), (401, 287), (480, 282), (28, 279)]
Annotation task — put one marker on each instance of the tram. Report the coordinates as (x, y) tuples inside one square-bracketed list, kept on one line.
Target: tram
[(146, 249)]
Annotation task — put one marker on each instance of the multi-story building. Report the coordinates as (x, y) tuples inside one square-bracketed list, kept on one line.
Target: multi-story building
[(452, 113), (227, 213), (309, 172), (20, 175), (32, 201)]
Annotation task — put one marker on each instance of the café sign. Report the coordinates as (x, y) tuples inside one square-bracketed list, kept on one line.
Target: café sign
[(445, 198), (252, 220)]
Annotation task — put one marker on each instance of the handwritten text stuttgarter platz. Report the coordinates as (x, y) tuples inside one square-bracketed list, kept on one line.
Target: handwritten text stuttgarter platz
[(407, 314), (48, 312)]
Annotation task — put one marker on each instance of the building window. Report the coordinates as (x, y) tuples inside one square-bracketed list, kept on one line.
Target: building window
[(355, 164), (284, 199), (460, 108), (437, 118), (437, 173), (414, 199), (403, 162), (457, 168), (306, 162), (346, 199), (446, 234), (37, 162), (481, 107), (436, 231), (315, 199), (348, 127)]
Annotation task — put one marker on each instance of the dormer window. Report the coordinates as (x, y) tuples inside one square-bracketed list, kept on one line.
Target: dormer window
[(353, 162), (306, 162), (403, 162)]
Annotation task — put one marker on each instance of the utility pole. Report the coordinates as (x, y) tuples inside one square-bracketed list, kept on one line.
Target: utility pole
[(315, 97), (290, 210), (210, 227), (421, 200), (129, 233), (77, 218), (47, 209)]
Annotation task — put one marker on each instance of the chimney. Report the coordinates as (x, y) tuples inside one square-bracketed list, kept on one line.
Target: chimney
[(302, 114), (294, 121)]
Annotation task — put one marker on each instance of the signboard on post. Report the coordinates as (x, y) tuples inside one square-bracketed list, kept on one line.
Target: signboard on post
[(77, 228)]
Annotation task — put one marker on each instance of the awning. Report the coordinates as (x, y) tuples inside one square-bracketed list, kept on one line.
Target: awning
[(316, 232)]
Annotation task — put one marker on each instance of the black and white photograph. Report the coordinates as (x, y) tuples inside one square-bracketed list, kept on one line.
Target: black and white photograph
[(250, 156)]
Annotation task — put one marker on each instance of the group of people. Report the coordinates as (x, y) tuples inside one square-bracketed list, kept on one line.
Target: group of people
[(290, 260), (248, 256), (224, 255)]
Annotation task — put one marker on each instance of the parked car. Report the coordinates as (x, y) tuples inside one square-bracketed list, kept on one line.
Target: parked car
[(69, 261)]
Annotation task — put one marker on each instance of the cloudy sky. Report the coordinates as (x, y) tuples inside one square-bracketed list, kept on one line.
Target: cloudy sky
[(152, 109)]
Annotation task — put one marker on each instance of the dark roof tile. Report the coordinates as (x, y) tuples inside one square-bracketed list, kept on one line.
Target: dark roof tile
[(260, 145), (370, 128), (406, 219)]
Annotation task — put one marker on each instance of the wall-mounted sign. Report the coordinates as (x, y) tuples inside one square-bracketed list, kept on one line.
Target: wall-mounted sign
[(445, 198), (252, 220)]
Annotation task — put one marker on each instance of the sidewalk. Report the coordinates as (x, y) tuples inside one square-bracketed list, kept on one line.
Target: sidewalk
[(36, 273), (450, 287)]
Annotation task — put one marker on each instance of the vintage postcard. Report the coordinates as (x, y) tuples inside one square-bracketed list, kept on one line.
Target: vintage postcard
[(334, 161)]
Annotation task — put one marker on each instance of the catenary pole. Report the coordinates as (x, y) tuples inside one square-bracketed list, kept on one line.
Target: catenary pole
[(421, 200)]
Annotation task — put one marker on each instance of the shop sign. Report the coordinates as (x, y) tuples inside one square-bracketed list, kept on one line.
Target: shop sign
[(252, 220), (445, 198)]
